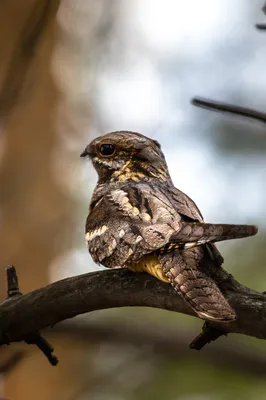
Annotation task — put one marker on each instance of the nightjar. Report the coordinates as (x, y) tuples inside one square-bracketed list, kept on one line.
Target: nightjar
[(140, 221)]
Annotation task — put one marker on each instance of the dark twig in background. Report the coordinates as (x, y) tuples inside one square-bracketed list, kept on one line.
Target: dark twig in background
[(214, 105), (261, 27), (229, 108)]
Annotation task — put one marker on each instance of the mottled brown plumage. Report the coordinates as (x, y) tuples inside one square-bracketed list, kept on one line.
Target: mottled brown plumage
[(139, 220)]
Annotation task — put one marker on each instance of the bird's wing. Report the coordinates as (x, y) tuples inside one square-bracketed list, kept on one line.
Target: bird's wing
[(129, 222), (135, 220), (183, 269), (185, 206)]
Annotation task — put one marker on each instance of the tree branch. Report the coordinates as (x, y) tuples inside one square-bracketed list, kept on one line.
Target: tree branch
[(208, 334), (229, 108), (261, 27), (23, 315), (32, 337)]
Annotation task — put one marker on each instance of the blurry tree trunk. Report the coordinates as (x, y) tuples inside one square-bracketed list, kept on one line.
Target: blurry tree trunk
[(33, 211)]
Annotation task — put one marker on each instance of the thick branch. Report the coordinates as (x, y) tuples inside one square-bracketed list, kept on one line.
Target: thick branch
[(64, 299)]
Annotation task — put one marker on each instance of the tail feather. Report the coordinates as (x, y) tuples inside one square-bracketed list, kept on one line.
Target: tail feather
[(199, 290), (200, 233)]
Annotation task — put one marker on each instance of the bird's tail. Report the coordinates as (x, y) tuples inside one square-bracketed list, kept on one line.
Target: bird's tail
[(199, 290), (196, 233)]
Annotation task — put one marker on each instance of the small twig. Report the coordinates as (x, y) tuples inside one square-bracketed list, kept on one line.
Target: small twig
[(12, 282), (208, 334), (261, 27), (43, 345), (34, 338), (229, 108)]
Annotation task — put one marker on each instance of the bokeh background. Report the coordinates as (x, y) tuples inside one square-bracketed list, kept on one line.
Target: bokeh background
[(73, 70)]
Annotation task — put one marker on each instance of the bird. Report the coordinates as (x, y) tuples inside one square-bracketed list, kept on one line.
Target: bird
[(139, 220)]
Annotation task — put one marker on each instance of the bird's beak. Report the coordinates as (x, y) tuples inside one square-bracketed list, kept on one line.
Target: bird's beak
[(84, 153)]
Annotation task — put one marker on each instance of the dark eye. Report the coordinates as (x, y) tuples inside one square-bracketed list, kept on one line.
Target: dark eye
[(107, 149)]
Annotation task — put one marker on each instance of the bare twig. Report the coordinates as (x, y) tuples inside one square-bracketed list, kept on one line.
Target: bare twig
[(33, 337), (208, 334), (43, 345), (229, 108), (12, 282), (261, 27)]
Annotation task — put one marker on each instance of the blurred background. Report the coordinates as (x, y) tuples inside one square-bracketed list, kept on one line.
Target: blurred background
[(71, 71)]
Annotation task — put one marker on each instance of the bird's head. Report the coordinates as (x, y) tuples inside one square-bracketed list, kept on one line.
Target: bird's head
[(126, 156)]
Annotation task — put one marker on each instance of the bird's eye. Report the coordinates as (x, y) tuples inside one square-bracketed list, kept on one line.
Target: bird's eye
[(107, 149)]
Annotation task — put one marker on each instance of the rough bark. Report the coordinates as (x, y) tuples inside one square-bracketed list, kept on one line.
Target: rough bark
[(121, 288)]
